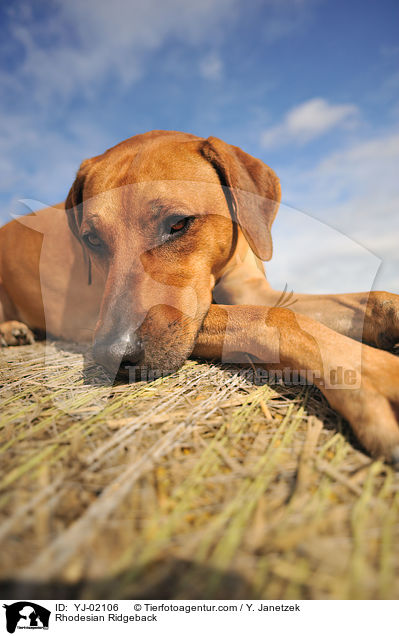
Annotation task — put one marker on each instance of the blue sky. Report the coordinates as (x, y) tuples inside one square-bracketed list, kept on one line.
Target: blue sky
[(309, 86)]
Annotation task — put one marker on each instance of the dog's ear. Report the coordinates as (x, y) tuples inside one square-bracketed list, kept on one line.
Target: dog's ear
[(74, 208), (74, 200), (252, 190)]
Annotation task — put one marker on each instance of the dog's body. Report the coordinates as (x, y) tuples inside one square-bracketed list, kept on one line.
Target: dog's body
[(169, 222)]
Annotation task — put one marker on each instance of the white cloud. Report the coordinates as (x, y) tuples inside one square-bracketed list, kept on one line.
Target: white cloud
[(72, 51), (356, 192), (311, 256), (363, 176), (86, 43), (308, 121), (68, 56), (76, 46), (211, 67)]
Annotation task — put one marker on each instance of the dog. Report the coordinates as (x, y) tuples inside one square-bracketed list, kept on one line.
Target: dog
[(157, 254)]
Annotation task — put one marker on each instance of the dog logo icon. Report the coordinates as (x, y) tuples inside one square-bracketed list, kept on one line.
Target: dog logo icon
[(26, 615)]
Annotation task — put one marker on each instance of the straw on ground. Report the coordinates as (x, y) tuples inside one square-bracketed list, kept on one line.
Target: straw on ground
[(198, 485)]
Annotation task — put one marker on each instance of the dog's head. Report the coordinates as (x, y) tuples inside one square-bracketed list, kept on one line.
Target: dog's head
[(160, 215)]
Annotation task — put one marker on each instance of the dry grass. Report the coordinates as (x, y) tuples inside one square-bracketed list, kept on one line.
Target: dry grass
[(200, 485)]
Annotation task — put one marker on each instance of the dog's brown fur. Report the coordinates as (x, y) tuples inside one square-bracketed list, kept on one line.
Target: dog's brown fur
[(150, 301)]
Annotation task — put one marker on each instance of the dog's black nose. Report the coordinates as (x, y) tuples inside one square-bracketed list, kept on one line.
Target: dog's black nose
[(118, 354)]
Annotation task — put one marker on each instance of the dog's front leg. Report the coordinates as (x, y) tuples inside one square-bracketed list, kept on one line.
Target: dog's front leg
[(372, 317), (360, 382)]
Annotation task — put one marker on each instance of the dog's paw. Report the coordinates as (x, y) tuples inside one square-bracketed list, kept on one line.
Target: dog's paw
[(372, 409), (14, 333), (382, 320)]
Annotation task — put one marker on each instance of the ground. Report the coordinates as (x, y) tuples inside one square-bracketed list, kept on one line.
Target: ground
[(204, 484)]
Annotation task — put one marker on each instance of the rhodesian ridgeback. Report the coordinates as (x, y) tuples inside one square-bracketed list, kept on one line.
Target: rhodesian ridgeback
[(157, 255)]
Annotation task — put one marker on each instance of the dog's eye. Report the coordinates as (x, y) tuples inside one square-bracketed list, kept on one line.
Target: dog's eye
[(92, 240), (179, 225)]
